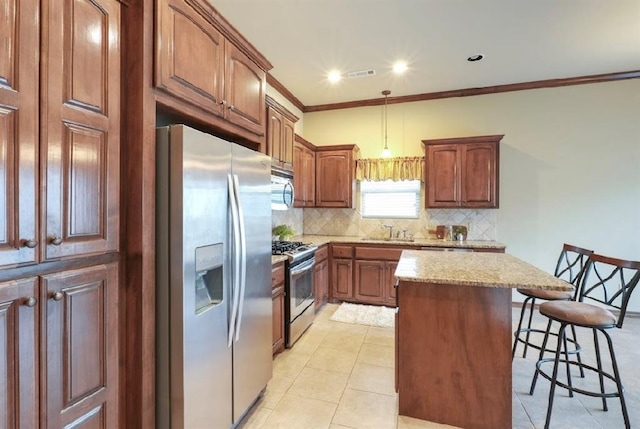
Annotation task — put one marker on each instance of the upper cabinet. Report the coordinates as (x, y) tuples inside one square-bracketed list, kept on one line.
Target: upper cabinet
[(280, 134), (209, 71), (462, 172), (304, 173), (59, 185), (335, 176)]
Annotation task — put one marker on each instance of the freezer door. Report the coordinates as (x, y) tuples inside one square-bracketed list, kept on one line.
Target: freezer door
[(196, 274), (252, 360)]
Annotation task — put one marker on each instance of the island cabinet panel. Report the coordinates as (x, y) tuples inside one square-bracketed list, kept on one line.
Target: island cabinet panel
[(277, 298), (441, 330), (462, 172), (18, 354)]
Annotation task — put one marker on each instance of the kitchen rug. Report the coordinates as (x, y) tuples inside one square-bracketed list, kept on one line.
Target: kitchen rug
[(361, 314)]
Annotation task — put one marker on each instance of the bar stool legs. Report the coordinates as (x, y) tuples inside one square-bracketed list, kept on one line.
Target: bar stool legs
[(561, 349)]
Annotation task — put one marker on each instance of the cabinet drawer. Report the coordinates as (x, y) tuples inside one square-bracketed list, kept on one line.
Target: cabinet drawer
[(342, 251), (379, 253), (277, 274), (321, 253)]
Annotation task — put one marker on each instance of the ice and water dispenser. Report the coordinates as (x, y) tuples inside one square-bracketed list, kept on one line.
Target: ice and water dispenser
[(209, 277)]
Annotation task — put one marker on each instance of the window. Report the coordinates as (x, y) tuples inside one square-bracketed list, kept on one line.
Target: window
[(389, 199)]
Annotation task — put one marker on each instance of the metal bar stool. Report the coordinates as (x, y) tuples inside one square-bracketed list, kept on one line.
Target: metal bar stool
[(609, 282), (570, 267)]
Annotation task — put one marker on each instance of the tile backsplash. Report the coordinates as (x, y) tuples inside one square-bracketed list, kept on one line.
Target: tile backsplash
[(291, 217), (481, 222)]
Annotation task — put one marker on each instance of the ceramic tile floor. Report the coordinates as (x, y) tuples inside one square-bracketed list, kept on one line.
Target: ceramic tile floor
[(341, 376)]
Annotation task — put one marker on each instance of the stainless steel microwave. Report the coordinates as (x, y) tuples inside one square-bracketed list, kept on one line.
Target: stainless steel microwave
[(282, 192)]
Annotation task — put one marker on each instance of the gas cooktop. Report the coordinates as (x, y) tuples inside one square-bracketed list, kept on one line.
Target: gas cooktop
[(295, 250)]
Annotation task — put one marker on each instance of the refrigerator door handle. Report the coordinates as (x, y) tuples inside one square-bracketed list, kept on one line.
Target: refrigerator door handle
[(243, 257), (235, 259)]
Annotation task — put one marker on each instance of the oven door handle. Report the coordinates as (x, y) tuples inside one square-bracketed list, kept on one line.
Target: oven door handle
[(303, 267)]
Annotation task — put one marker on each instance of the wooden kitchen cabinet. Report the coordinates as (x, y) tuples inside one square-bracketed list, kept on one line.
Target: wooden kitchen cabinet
[(374, 275), (321, 277), (341, 272), (202, 63), (335, 176), (462, 172), (80, 129), (304, 173), (60, 144), (280, 135), (64, 327), (278, 297), (19, 398)]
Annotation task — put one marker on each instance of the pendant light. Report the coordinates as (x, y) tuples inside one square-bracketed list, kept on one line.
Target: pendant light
[(386, 153)]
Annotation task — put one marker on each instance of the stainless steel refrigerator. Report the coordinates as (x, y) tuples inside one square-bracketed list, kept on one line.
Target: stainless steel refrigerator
[(213, 279)]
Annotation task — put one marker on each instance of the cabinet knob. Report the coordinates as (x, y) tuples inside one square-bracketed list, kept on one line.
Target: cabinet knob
[(56, 241), (30, 243), (223, 102), (57, 296), (232, 107), (30, 302)]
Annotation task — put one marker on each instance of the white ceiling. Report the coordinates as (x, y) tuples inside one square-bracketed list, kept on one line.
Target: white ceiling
[(522, 40)]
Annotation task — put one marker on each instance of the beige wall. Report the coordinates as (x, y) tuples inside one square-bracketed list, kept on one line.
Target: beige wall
[(569, 167)]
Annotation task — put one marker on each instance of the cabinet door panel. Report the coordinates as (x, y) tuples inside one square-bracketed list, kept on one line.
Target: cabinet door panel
[(18, 355), (286, 152), (244, 89), (443, 176), (342, 278), (19, 77), (80, 128), (333, 179), (189, 56), (479, 178), (370, 281), (274, 136), (278, 320), (390, 282), (82, 347)]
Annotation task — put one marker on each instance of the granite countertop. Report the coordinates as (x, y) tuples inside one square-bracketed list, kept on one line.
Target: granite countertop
[(278, 258), (319, 240), (475, 269)]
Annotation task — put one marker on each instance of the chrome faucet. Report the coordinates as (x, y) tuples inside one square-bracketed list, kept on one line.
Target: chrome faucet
[(390, 230)]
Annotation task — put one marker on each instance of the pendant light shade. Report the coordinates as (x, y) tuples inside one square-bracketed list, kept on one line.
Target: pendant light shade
[(386, 153)]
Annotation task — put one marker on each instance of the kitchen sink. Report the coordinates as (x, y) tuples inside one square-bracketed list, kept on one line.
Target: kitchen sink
[(403, 240)]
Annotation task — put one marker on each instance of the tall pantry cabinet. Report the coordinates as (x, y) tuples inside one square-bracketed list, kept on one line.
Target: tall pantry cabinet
[(59, 198)]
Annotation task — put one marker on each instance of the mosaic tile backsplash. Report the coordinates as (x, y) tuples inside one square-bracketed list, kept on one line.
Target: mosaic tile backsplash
[(481, 223)]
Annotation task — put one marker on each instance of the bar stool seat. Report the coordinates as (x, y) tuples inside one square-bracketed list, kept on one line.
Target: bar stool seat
[(579, 314), (547, 295)]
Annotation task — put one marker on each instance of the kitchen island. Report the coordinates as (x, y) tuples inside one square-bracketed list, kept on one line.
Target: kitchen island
[(453, 334)]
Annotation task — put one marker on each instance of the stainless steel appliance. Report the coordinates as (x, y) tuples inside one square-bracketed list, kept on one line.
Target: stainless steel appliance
[(299, 306), (213, 279), (282, 191)]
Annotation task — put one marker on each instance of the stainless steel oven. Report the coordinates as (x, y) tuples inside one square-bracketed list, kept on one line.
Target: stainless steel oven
[(299, 306)]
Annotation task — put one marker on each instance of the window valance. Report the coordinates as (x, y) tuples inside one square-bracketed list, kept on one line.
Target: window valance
[(406, 168)]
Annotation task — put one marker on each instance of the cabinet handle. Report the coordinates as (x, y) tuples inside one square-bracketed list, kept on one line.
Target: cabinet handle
[(232, 107), (30, 302), (57, 296), (56, 241), (223, 102), (30, 243)]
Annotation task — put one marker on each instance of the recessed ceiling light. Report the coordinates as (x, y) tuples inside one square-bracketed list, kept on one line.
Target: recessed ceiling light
[(400, 67), (334, 76), (476, 57)]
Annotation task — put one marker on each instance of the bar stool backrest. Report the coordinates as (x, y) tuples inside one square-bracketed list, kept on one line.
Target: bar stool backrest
[(610, 281), (571, 265)]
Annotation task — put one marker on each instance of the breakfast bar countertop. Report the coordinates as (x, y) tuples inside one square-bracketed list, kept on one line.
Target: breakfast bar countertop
[(497, 270)]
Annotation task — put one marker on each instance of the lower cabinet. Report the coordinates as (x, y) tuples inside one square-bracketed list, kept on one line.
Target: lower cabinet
[(369, 282), (277, 298), (60, 349), (321, 277)]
